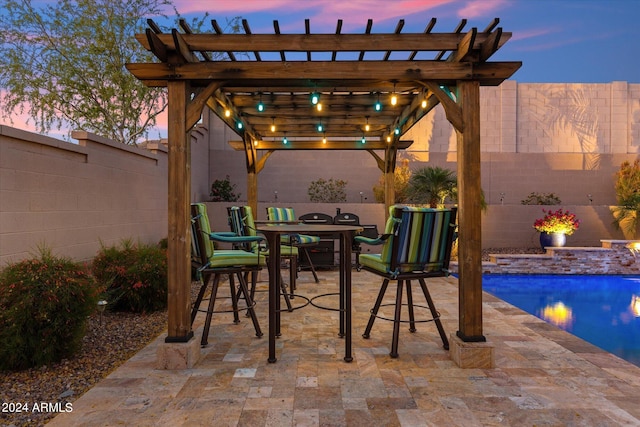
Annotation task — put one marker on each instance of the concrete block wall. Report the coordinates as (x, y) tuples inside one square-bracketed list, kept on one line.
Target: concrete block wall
[(71, 197), (568, 139)]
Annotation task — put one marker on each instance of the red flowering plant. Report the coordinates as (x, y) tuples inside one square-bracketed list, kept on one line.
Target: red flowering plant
[(557, 222)]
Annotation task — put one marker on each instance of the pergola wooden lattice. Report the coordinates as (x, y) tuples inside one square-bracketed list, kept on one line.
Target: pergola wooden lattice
[(235, 74)]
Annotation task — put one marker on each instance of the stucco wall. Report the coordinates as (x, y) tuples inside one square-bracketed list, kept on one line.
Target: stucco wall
[(70, 197)]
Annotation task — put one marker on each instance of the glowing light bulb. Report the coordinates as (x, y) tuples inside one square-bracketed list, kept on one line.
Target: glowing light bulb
[(394, 99), (227, 113)]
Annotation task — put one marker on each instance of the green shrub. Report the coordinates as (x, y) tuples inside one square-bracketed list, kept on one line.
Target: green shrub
[(331, 191), (627, 186), (541, 199), (223, 191), (44, 304), (134, 276), (401, 177)]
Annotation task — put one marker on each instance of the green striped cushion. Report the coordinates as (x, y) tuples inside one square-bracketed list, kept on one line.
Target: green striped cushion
[(288, 214), (222, 258), (422, 239)]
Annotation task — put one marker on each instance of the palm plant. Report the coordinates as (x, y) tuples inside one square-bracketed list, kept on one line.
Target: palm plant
[(432, 185)]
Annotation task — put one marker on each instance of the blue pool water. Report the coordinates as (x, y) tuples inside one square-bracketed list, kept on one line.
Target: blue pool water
[(603, 310)]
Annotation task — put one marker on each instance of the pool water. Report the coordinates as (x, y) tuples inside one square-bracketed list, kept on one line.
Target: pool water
[(603, 310)]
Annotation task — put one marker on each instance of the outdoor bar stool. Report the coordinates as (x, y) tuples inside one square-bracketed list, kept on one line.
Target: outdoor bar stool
[(212, 263), (416, 245), (301, 241), (242, 223)]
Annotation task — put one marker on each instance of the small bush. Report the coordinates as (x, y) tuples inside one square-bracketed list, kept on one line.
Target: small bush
[(331, 191), (223, 191), (44, 304), (134, 276), (541, 199), (627, 186)]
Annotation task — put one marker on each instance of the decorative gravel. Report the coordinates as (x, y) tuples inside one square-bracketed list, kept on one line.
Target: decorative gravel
[(107, 344)]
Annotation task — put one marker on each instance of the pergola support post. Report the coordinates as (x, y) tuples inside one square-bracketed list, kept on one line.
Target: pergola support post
[(468, 347), (252, 190), (180, 350)]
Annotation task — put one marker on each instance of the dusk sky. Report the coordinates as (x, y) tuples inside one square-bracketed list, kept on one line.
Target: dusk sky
[(586, 41), (558, 41)]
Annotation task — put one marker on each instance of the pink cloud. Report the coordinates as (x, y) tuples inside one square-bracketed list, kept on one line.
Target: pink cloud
[(323, 13), (475, 9)]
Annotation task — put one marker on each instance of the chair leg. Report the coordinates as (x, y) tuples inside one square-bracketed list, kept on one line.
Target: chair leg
[(196, 304), (234, 298), (313, 270), (376, 307), (250, 305), (435, 314), (212, 300), (412, 319), (293, 272), (396, 321), (283, 292)]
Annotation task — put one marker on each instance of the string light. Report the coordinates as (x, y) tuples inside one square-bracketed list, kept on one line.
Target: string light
[(366, 126), (424, 103), (378, 105), (320, 127), (239, 124), (227, 113), (260, 105), (363, 140), (397, 131), (285, 141), (315, 98), (273, 124), (394, 96), (324, 138), (319, 106)]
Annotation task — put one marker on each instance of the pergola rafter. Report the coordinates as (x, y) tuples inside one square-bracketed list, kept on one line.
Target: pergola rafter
[(350, 73)]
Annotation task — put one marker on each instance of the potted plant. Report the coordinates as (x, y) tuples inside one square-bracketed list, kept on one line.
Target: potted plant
[(555, 226)]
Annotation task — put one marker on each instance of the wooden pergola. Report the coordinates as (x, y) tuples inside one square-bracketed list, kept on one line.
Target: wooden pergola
[(235, 74)]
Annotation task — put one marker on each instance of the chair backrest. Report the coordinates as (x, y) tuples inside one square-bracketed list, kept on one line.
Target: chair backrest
[(242, 223), (316, 218), (346, 219), (201, 246), (281, 214), (422, 240)]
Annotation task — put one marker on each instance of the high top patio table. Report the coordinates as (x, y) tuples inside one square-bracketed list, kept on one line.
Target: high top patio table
[(273, 233)]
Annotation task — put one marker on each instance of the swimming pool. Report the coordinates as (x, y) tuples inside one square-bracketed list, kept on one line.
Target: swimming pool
[(603, 310)]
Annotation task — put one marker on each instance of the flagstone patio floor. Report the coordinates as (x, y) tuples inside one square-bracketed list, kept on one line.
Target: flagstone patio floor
[(542, 375)]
